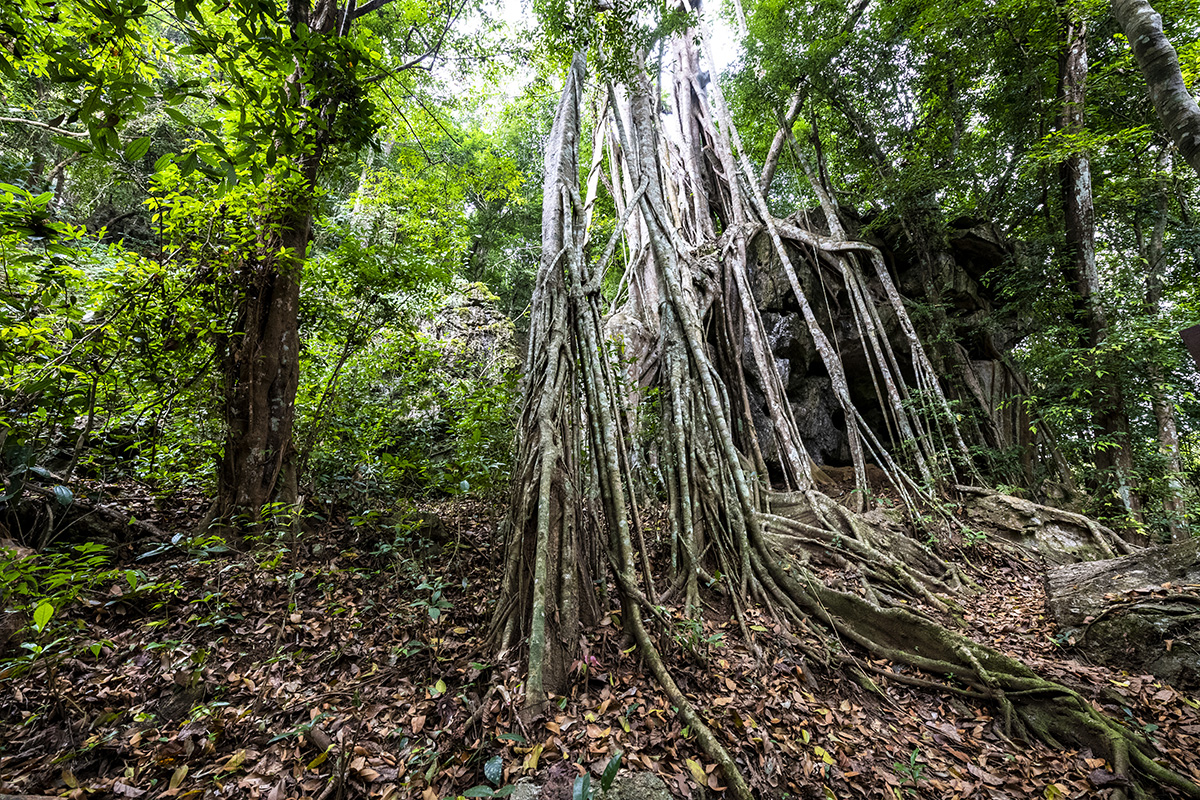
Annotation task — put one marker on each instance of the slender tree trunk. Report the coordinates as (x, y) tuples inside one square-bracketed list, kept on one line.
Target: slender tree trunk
[(1168, 445), (1176, 107), (1153, 254), (1112, 455)]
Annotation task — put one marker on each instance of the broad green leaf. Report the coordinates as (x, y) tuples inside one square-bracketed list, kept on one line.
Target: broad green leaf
[(63, 495), (91, 102), (71, 143), (179, 116), (582, 790), (493, 770), (42, 615), (137, 149), (14, 490)]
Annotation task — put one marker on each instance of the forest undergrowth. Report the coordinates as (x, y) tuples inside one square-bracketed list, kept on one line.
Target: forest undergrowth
[(353, 662)]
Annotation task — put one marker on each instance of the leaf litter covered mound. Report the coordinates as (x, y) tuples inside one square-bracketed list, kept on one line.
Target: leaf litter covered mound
[(356, 666)]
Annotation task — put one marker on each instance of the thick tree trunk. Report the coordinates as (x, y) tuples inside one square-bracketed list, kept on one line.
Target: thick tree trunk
[(1112, 455), (1176, 107), (262, 371), (262, 355), (550, 548)]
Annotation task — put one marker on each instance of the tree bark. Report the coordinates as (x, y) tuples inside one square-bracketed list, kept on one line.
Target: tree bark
[(1112, 455), (262, 372), (1175, 105), (262, 355)]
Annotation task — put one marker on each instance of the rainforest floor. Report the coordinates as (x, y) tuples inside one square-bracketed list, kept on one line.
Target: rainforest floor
[(351, 661)]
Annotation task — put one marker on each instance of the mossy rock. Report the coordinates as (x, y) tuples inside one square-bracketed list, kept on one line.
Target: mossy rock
[(1140, 612), (1161, 638), (638, 786)]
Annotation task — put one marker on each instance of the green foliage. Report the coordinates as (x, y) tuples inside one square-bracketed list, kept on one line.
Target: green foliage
[(391, 407), (582, 788), (109, 53), (612, 35), (972, 537), (921, 113), (198, 132), (212, 121), (88, 332), (39, 588), (689, 633), (252, 81), (87, 385), (1143, 356), (46, 348), (911, 772), (435, 605)]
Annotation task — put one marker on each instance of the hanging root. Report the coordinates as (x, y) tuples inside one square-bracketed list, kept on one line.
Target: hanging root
[(747, 525)]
